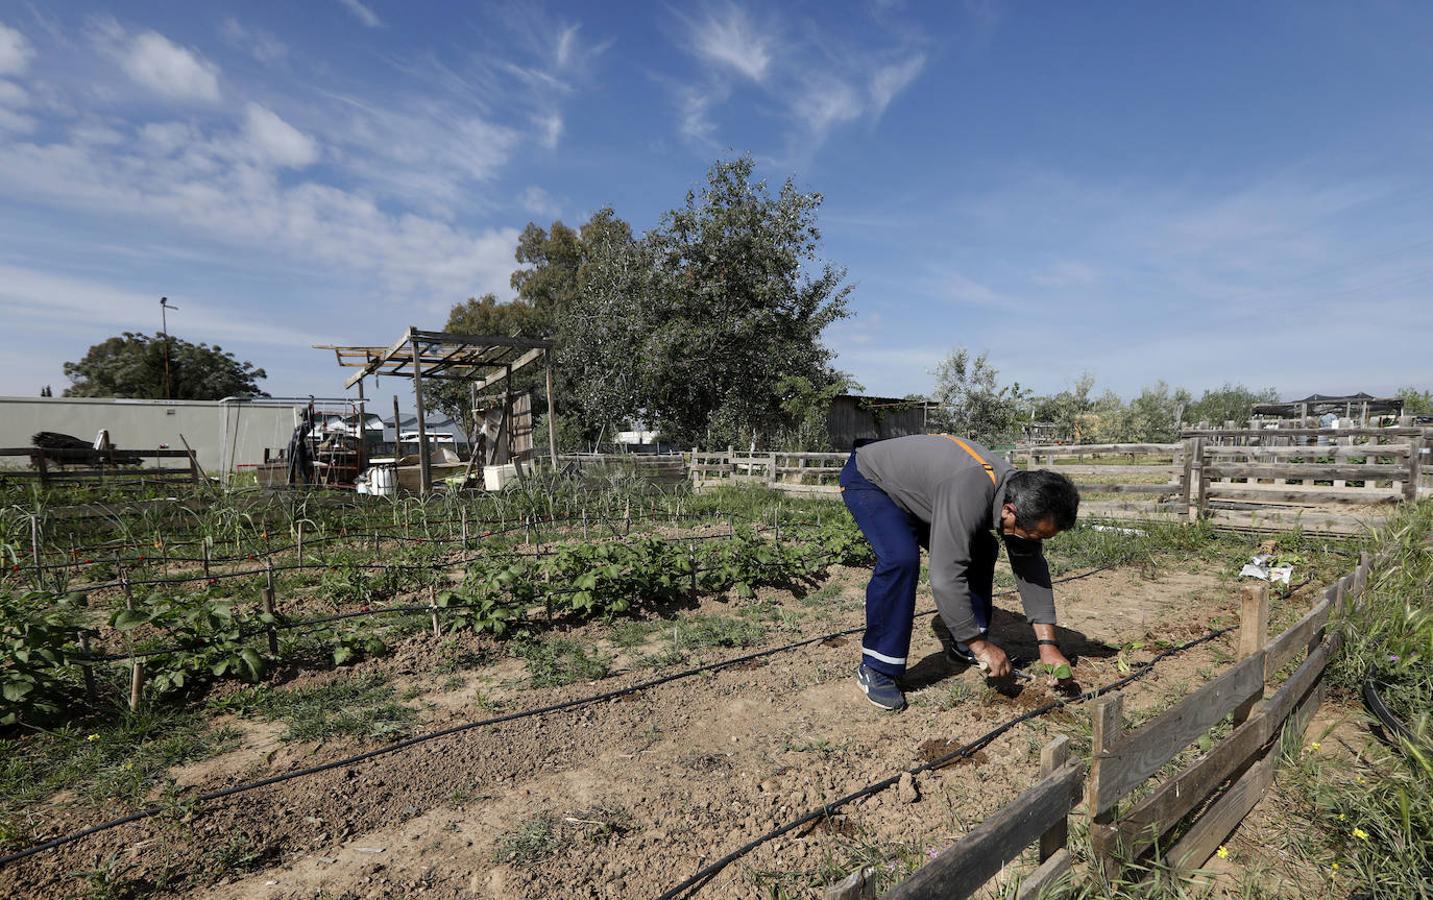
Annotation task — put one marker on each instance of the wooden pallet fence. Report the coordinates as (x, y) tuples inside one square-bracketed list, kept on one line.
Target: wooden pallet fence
[(1337, 481), (1146, 479), (1040, 814), (1244, 760), (796, 473)]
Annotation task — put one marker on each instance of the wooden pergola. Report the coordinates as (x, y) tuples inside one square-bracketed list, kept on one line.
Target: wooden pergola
[(484, 360)]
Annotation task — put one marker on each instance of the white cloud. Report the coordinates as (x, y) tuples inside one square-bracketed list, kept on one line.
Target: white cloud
[(258, 43), (11, 94), (362, 13), (696, 115), (540, 203), (565, 50), (549, 129), (272, 139), (47, 296), (166, 68), (821, 81), (730, 39), (825, 102), (174, 176), (15, 51), (888, 81)]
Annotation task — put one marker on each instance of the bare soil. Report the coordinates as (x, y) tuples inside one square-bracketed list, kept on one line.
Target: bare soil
[(628, 797)]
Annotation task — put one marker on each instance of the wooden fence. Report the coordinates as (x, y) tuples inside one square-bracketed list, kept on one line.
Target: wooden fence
[(1330, 480), (109, 466), (1191, 812), (660, 469), (1118, 481), (797, 473)]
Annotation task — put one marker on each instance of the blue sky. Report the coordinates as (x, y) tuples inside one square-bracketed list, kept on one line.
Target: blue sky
[(1194, 192)]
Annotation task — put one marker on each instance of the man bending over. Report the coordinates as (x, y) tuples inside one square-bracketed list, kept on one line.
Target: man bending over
[(954, 497)]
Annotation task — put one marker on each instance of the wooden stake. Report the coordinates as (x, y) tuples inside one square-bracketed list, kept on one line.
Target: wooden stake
[(1052, 758), (205, 547), (301, 542), (433, 610), (35, 551), (1253, 635), (270, 601), (136, 668), (464, 514), (90, 693)]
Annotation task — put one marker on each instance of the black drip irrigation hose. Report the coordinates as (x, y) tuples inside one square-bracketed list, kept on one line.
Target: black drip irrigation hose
[(1394, 729), (696, 882), (395, 747)]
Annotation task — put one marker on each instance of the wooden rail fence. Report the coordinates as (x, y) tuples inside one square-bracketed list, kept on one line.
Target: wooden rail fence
[(1191, 812), (65, 465), (1338, 481)]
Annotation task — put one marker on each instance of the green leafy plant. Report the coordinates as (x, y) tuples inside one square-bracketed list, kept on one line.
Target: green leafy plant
[(38, 634)]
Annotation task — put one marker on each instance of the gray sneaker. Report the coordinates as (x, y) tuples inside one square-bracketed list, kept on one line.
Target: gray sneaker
[(881, 690)]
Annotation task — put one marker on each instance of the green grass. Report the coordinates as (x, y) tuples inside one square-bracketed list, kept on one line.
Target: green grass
[(533, 841), (1371, 813), (944, 696), (124, 760), (365, 708), (558, 661)]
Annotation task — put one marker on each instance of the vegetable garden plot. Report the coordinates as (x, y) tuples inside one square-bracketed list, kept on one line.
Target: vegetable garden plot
[(820, 731), (698, 784)]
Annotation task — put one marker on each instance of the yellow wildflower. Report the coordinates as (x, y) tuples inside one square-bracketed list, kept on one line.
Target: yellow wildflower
[(1334, 868), (1222, 852), (92, 738), (1314, 746), (1360, 834), (1341, 817)]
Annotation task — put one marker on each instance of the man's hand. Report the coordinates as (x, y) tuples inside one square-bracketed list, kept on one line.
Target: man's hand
[(992, 658), (1056, 662)]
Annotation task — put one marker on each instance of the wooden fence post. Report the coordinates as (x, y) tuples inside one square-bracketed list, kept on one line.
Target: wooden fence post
[(1105, 733), (270, 600), (1415, 468), (1052, 758), (87, 669), (1253, 635), (1196, 501)]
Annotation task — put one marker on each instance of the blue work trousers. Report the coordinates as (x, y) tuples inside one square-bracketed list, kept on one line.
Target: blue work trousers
[(896, 536)]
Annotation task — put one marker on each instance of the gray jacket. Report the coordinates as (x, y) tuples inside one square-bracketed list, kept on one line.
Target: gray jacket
[(934, 479)]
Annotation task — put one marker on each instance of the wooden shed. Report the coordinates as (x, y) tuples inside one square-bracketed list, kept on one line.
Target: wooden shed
[(854, 417)]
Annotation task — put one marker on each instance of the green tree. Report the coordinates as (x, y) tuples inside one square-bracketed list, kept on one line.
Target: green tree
[(972, 402), (1416, 402), (132, 365), (738, 304), (1154, 414), (1065, 409), (807, 407), (1232, 402)]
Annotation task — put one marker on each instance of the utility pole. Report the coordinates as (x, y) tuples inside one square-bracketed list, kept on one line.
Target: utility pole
[(164, 308)]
